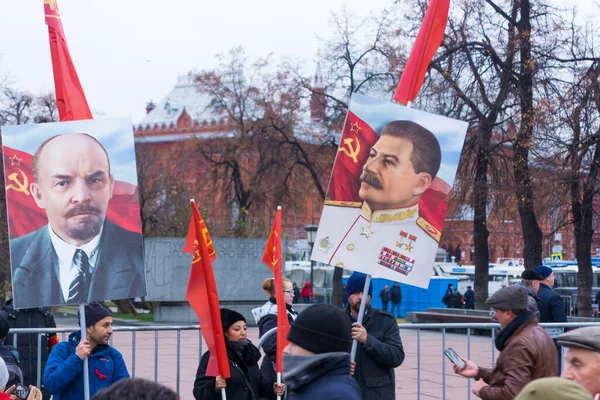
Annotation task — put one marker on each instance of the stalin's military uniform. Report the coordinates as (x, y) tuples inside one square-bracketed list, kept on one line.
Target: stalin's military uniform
[(394, 244)]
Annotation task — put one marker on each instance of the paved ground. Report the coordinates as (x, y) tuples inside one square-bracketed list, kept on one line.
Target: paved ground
[(432, 360)]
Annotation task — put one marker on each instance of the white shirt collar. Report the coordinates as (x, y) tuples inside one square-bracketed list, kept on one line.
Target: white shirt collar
[(65, 251)]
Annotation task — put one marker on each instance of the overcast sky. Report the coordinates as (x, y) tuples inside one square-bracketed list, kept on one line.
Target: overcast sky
[(130, 51)]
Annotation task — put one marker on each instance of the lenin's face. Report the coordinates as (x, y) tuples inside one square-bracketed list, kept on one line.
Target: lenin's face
[(389, 180), (74, 186)]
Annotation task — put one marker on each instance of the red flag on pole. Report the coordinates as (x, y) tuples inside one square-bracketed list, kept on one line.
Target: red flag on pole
[(428, 41), (203, 296), (70, 99), (272, 258)]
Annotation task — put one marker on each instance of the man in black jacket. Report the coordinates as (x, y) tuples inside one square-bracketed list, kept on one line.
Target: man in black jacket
[(551, 306), (379, 348)]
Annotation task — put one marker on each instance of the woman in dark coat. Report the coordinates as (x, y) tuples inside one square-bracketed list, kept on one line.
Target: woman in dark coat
[(245, 382)]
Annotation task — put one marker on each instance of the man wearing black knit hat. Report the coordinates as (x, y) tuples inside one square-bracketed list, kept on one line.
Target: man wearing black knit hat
[(317, 359), (379, 348), (63, 376)]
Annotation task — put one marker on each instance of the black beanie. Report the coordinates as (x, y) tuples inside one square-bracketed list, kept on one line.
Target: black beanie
[(95, 312), (230, 317), (322, 328)]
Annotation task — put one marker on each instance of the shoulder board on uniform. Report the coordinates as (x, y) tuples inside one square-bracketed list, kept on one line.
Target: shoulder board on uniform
[(336, 203), (430, 229)]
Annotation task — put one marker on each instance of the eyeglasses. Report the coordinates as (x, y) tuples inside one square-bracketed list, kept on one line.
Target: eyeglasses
[(289, 291)]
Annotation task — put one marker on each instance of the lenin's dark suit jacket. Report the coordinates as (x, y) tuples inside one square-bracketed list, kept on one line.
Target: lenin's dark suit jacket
[(118, 272)]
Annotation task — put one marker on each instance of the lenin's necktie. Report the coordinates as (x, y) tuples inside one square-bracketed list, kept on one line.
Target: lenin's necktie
[(79, 285)]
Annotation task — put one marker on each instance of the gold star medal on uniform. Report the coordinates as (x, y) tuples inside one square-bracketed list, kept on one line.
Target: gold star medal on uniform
[(400, 243), (412, 239), (366, 231), (325, 244)]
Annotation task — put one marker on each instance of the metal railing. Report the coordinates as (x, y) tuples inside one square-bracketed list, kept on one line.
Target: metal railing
[(554, 329), (133, 329), (435, 329)]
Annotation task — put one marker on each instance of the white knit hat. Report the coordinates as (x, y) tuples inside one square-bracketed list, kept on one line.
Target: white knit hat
[(3, 375)]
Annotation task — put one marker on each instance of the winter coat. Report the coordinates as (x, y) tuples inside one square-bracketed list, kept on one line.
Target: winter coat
[(529, 354), (470, 298), (266, 319), (550, 305), (384, 295), (321, 376), (63, 376), (457, 299), (244, 383), (396, 293), (448, 298), (27, 344), (376, 360), (305, 293)]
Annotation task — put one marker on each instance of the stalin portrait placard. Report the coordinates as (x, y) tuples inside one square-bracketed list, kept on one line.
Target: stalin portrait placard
[(73, 212), (388, 193)]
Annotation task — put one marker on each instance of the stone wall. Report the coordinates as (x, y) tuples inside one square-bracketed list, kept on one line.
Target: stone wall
[(239, 273)]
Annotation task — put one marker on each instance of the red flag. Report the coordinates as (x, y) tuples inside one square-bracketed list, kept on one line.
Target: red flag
[(203, 296), (355, 144), (70, 99), (272, 258), (428, 41), (24, 216)]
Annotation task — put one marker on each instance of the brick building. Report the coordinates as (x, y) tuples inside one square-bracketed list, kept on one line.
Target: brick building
[(167, 137)]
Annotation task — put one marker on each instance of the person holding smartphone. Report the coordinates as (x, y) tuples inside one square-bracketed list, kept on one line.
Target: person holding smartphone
[(16, 392), (527, 351)]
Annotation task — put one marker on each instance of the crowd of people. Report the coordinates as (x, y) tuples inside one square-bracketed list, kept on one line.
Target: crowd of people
[(317, 361)]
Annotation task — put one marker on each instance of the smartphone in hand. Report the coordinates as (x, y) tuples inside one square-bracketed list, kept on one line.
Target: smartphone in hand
[(455, 358), (21, 392)]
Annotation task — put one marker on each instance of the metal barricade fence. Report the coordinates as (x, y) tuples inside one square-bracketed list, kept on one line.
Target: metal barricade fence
[(62, 332), (436, 337)]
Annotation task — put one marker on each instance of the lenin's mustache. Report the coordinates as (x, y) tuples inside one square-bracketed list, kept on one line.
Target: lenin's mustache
[(82, 208), (371, 180)]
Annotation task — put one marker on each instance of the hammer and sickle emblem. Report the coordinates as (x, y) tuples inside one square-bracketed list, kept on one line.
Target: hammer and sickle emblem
[(20, 185), (196, 256), (349, 149)]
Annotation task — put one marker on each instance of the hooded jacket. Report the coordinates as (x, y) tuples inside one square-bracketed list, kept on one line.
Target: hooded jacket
[(266, 319), (63, 376), (320, 376)]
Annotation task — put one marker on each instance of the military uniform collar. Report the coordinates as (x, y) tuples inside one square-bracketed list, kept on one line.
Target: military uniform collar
[(393, 215)]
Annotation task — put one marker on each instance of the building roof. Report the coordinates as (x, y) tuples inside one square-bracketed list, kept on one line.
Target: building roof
[(184, 96)]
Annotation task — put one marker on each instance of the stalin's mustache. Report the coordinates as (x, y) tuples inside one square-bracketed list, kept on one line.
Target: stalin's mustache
[(371, 180)]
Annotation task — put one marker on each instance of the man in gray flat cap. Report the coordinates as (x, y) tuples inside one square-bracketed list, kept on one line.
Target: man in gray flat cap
[(524, 345), (582, 358)]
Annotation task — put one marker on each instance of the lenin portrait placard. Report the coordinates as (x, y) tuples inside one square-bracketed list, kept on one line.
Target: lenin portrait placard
[(388, 194), (73, 212)]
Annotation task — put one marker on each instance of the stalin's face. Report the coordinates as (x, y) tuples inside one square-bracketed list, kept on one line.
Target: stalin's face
[(389, 180)]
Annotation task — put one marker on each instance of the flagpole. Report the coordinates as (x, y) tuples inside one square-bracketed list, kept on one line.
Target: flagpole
[(278, 382), (86, 371), (361, 314), (223, 395), (280, 283)]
